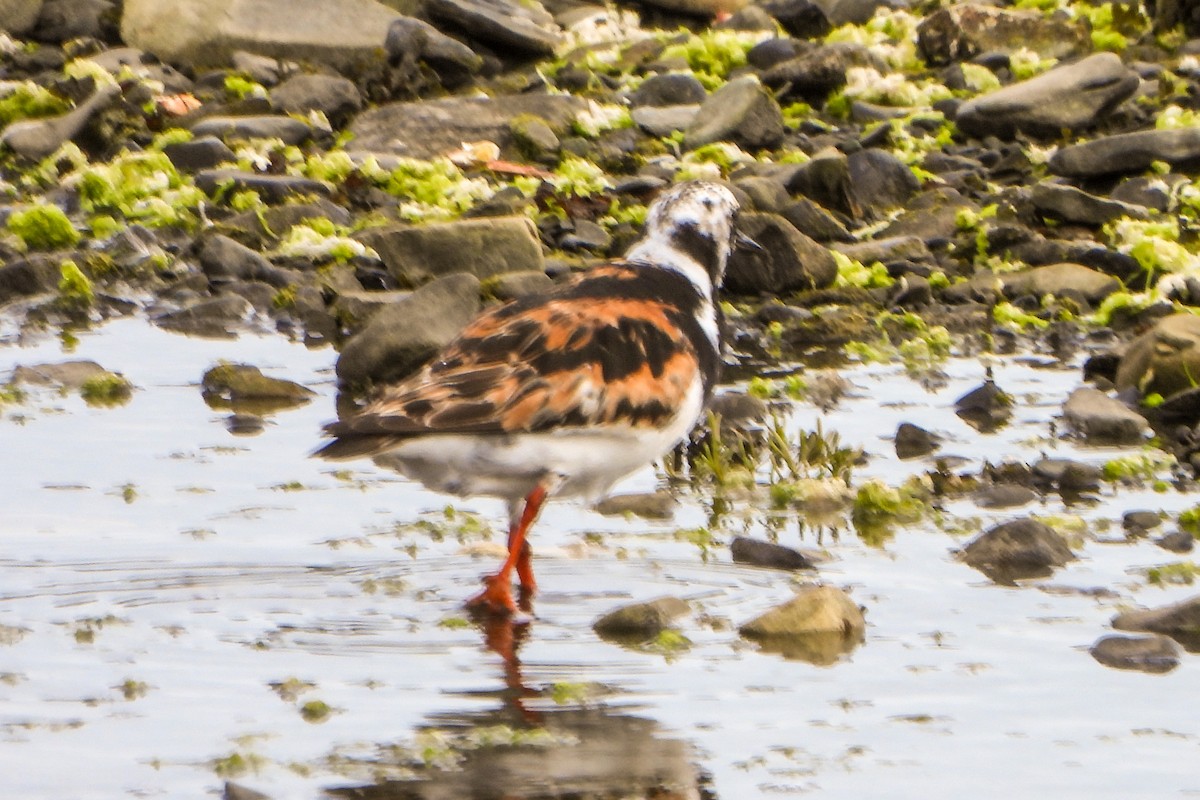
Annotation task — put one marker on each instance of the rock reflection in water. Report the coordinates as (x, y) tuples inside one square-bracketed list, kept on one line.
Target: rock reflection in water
[(590, 753)]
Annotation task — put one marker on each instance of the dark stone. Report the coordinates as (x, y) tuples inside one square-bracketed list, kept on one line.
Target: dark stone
[(640, 621), (881, 181), (1021, 548), (913, 442), (668, 89), (223, 260), (1076, 205), (27, 277), (1180, 621), (815, 222), (525, 27), (1126, 152), (1155, 654), (1176, 542), (741, 112), (1141, 521), (960, 31), (985, 407), (801, 18), (788, 260), (814, 74), (336, 97), (204, 152), (63, 20), (648, 505), (412, 40), (287, 129), (1004, 495), (767, 554), (272, 188), (1100, 418), (399, 339)]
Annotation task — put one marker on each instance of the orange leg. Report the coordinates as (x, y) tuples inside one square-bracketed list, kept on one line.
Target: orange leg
[(497, 594)]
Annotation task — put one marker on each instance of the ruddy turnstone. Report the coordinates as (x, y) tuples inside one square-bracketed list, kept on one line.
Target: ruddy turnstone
[(566, 392)]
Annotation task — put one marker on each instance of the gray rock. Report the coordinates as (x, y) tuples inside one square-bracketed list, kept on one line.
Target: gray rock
[(37, 138), (788, 261), (1139, 522), (204, 152), (586, 235), (1099, 418), (1021, 548), (1076, 205), (70, 375), (411, 40), (483, 247), (932, 214), (640, 620), (984, 407), (814, 74), (62, 20), (766, 194), (818, 625), (1163, 360), (648, 505), (963, 30), (913, 442), (1073, 97), (1056, 280), (664, 120), (815, 222), (881, 181), (801, 18), (511, 285), (399, 339), (429, 128), (758, 553), (235, 791), (1176, 542), (224, 260), (263, 69), (892, 248), (272, 188), (345, 34), (523, 26), (28, 277), (1126, 152), (18, 16), (215, 318), (334, 96), (1003, 495), (287, 129), (1180, 621), (1154, 654), (232, 383), (741, 112), (668, 89), (115, 58), (826, 181), (355, 307)]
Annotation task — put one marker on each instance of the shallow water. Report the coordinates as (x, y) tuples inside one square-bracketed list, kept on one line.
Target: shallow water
[(161, 573)]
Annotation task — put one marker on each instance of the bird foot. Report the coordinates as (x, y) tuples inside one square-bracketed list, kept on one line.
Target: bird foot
[(495, 599)]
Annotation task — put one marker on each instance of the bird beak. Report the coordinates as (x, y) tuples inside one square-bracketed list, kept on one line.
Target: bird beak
[(743, 242)]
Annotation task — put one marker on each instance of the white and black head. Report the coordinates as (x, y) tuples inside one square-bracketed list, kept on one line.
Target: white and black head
[(690, 227)]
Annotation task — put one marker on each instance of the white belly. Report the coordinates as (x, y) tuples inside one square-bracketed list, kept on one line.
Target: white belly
[(587, 461)]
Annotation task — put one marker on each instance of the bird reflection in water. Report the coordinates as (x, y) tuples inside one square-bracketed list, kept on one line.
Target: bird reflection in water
[(581, 750)]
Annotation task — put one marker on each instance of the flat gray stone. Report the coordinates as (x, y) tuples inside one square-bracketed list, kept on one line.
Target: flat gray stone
[(1126, 152), (523, 26), (287, 129), (1100, 418), (1020, 548), (484, 247), (1076, 205), (664, 120), (742, 112), (430, 128), (1074, 97), (346, 34), (963, 30)]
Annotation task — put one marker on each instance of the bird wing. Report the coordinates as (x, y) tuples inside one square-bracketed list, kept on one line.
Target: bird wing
[(545, 362)]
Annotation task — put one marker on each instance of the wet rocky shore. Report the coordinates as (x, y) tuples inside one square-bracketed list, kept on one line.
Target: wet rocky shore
[(927, 181)]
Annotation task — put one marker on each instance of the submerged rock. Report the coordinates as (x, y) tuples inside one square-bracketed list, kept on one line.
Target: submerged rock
[(640, 620), (1180, 621), (818, 625), (67, 374), (1018, 549), (235, 382), (745, 550), (1154, 654), (913, 441)]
